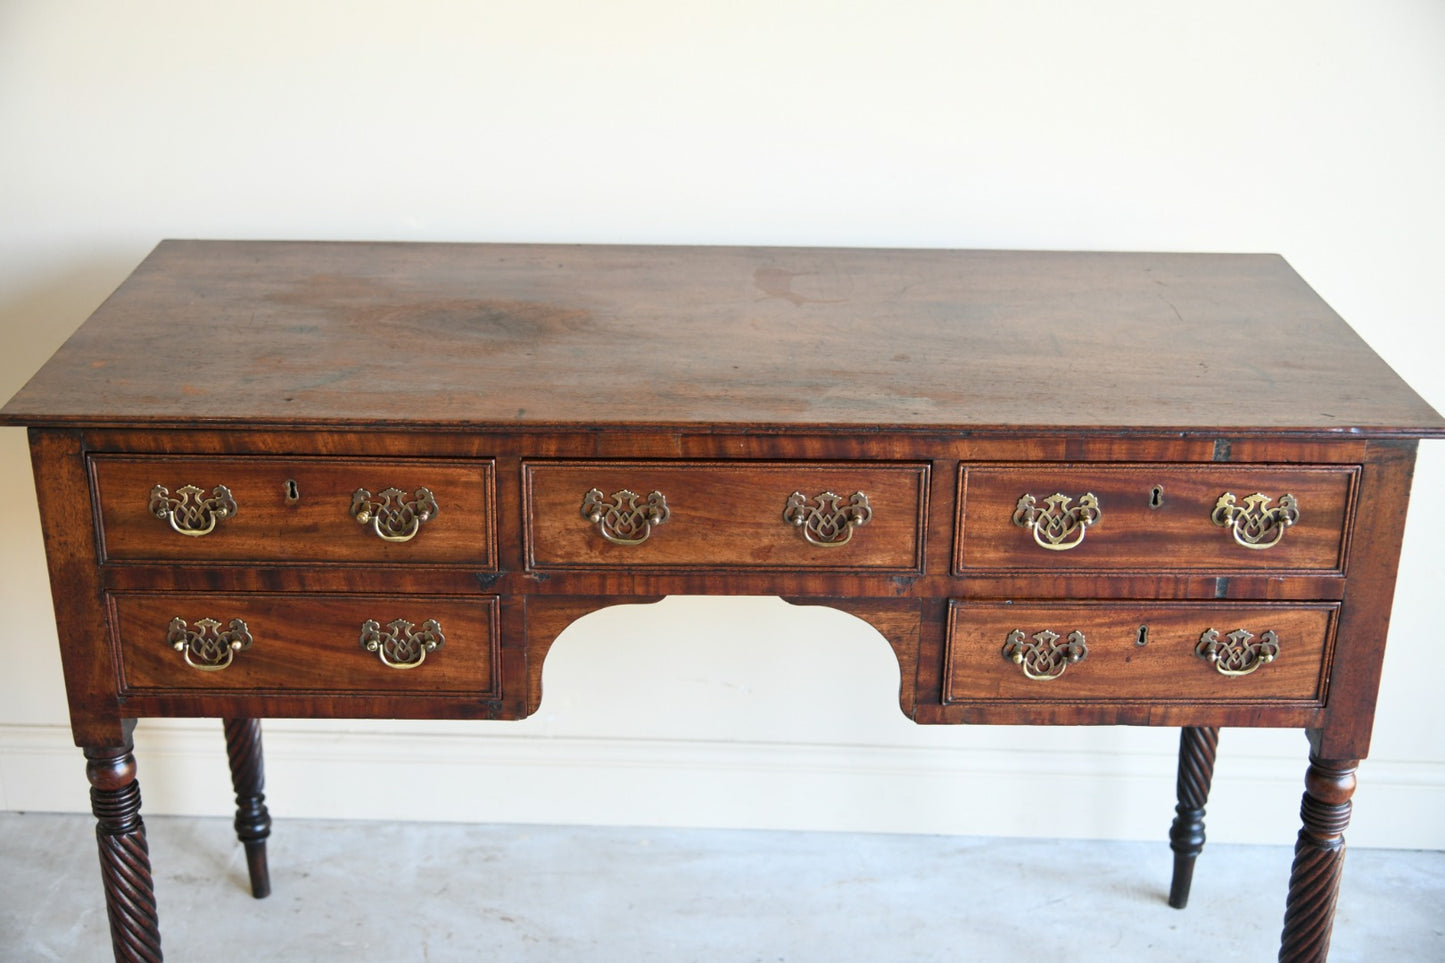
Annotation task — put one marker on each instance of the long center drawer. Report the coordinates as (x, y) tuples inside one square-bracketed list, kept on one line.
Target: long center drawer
[(708, 515)]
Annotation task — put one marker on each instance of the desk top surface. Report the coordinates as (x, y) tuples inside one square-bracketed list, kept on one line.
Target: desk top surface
[(298, 334)]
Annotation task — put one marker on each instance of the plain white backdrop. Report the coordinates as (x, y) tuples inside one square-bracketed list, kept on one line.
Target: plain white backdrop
[(1312, 129)]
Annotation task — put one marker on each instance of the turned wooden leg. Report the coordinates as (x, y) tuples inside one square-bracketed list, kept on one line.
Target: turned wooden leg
[(248, 778), (1319, 856), (125, 865), (1197, 745)]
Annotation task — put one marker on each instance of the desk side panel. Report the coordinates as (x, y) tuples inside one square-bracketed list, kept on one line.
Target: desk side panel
[(67, 516), (1369, 595)]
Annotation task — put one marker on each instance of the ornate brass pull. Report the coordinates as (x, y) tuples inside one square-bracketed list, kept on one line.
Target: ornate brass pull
[(188, 512), (1239, 654), (207, 647), (1255, 524), (1042, 656), (1057, 526), (827, 522), (622, 521), (399, 645), (395, 517)]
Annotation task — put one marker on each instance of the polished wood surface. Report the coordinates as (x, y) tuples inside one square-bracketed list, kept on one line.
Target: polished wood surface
[(411, 335), (1154, 517), (1137, 652), (263, 466)]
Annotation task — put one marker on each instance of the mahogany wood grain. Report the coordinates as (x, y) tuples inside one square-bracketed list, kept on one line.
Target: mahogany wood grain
[(304, 643), (1119, 667), (288, 334), (512, 379), (296, 510), (724, 515), (1154, 517)]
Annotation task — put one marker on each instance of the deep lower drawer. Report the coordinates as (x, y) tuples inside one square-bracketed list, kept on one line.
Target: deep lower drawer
[(1225, 518), (1160, 652), (709, 515), (273, 509), (306, 643)]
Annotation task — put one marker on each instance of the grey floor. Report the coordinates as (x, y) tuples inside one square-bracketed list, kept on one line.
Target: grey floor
[(364, 891)]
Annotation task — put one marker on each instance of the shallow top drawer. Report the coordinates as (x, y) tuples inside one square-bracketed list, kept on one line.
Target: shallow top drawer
[(1224, 518), (709, 515), (265, 509)]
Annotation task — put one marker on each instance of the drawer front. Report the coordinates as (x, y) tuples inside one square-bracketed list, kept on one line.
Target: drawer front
[(306, 643), (1216, 518), (711, 515), (295, 510), (1157, 652)]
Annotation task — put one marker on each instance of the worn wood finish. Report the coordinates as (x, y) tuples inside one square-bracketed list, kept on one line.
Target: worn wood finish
[(347, 334), (511, 380)]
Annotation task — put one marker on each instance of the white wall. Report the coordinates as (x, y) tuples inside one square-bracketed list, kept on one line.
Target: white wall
[(1313, 129)]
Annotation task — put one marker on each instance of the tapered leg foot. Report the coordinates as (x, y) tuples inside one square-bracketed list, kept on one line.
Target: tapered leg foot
[(1319, 856), (248, 778), (125, 865), (1197, 746)]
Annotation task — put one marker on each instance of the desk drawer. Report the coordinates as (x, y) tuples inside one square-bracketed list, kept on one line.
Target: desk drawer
[(1142, 651), (306, 643), (710, 515), (1216, 518), (295, 510)]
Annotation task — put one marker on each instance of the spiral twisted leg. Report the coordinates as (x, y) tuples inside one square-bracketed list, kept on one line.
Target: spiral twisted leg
[(1197, 745), (125, 865), (248, 778), (1314, 882)]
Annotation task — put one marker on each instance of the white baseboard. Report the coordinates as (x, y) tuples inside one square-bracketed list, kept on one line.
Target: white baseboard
[(415, 772)]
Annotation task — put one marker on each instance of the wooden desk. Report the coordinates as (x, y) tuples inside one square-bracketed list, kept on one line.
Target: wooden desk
[(356, 480)]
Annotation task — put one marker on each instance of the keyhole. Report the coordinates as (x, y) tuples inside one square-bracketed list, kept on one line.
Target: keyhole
[(1143, 637), (293, 494), (1156, 496)]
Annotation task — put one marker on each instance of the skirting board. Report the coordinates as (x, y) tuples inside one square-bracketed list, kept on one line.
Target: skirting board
[(314, 771)]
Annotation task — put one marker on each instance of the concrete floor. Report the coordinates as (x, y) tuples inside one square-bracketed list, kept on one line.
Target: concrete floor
[(365, 891)]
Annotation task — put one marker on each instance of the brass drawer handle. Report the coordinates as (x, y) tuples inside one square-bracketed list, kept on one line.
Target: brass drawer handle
[(399, 645), (1239, 653), (1058, 527), (1255, 524), (827, 522), (188, 512), (1043, 657), (622, 521), (207, 647), (395, 518)]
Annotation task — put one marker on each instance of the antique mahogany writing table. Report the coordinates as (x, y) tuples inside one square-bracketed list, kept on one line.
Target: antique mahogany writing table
[(377, 480)]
